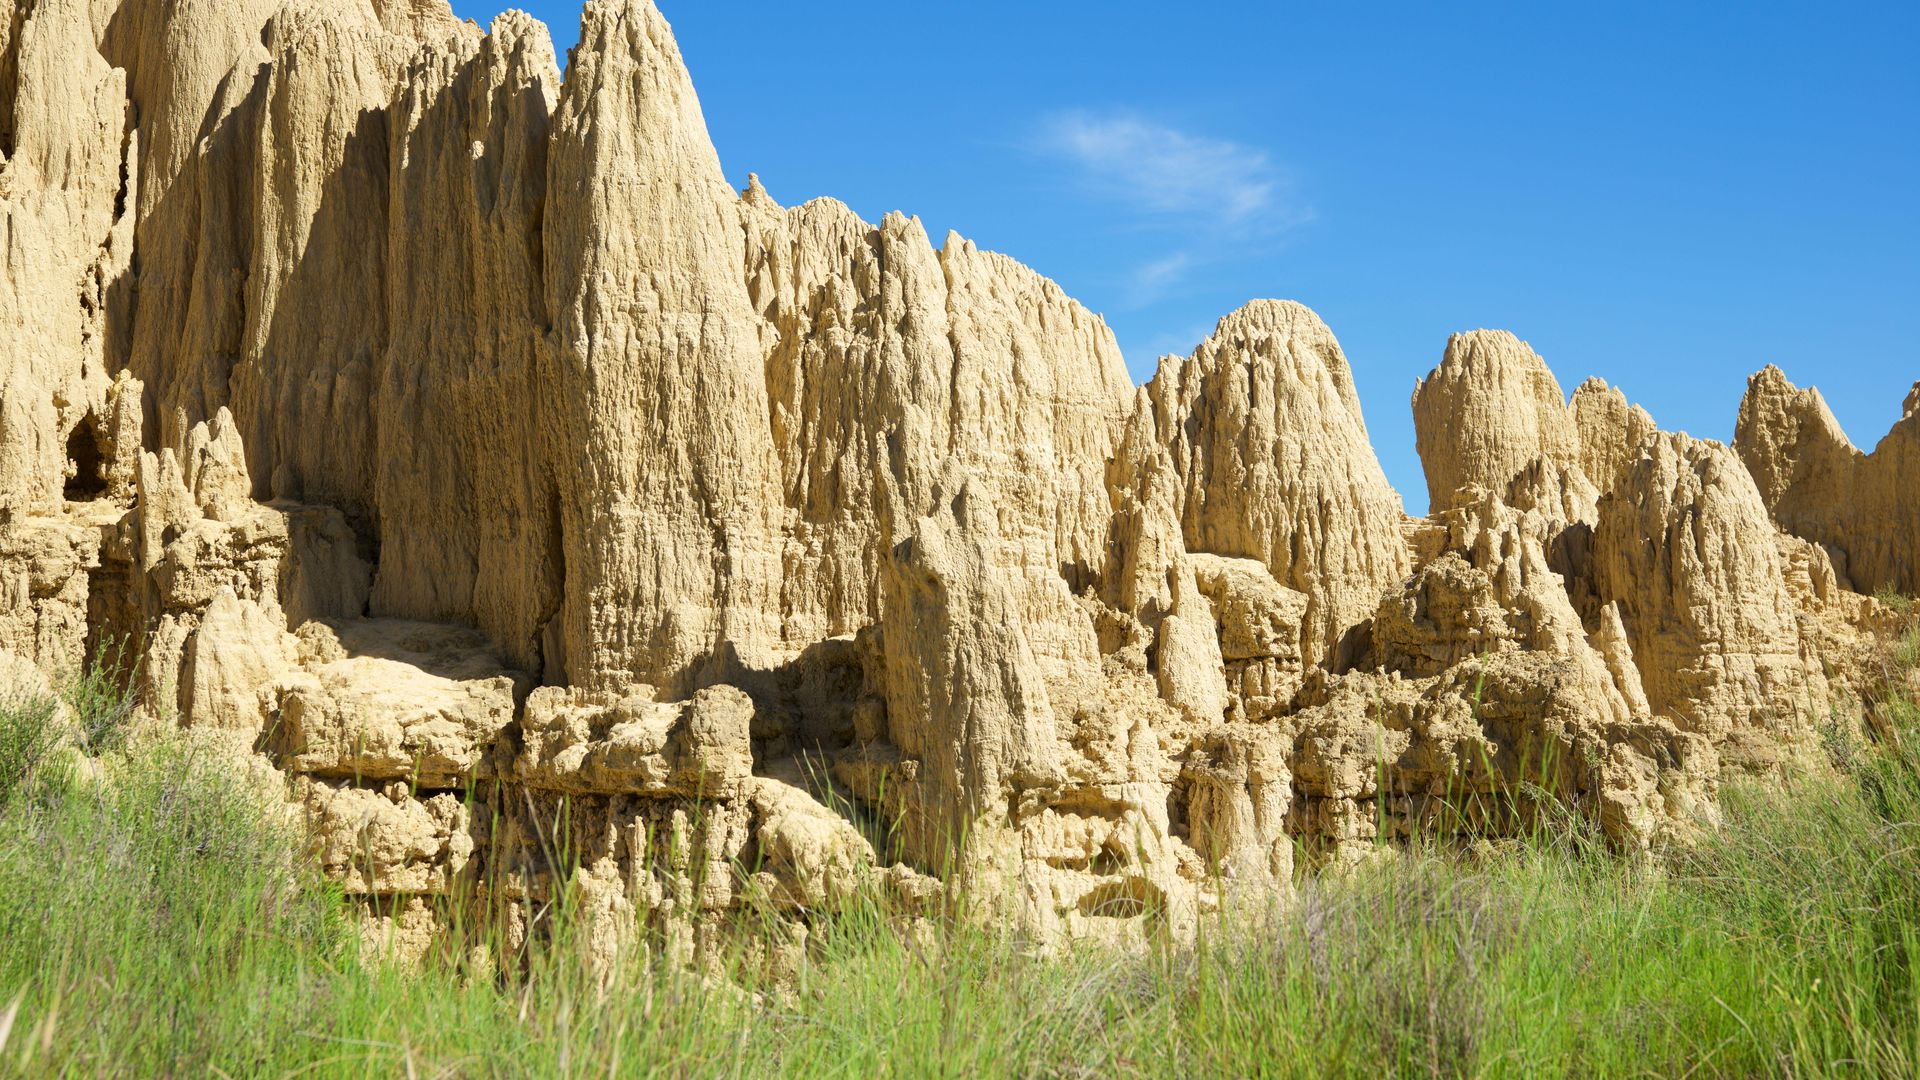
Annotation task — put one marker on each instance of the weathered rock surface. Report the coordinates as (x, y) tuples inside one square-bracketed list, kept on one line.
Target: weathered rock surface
[(575, 740), (449, 432), (1261, 433), (1613, 433), (669, 480), (1684, 548), (1863, 508), (380, 699), (1486, 415)]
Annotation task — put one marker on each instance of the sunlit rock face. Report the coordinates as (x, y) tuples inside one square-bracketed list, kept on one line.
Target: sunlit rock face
[(450, 433), (1862, 508)]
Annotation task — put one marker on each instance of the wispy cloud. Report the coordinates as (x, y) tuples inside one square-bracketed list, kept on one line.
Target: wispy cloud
[(1163, 169), (1218, 194), (1157, 274)]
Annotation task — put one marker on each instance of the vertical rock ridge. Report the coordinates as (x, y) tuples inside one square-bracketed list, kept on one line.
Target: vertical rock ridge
[(663, 456), (1488, 412), (461, 480), (1686, 550), (66, 222), (1613, 434)]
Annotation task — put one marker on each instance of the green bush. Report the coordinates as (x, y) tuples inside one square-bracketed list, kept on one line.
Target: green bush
[(152, 920)]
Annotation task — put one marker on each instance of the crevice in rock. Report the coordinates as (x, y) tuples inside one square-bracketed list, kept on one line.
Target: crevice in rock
[(10, 73)]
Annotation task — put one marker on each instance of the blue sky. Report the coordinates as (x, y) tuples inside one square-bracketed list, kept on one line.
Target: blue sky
[(1667, 195)]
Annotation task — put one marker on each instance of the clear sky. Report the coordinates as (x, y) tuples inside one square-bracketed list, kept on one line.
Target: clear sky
[(1668, 195)]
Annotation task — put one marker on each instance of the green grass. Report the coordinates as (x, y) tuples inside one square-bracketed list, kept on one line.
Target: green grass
[(153, 921), (1906, 650)]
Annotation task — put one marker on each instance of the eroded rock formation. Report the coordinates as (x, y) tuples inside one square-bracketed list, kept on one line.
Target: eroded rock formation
[(567, 525), (1862, 508)]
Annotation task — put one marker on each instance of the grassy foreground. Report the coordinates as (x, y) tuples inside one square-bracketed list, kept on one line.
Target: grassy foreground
[(152, 921)]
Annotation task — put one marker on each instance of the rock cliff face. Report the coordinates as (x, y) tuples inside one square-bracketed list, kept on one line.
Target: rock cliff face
[(1863, 508), (451, 433)]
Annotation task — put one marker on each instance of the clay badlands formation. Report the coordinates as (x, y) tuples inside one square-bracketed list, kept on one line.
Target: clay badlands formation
[(456, 437)]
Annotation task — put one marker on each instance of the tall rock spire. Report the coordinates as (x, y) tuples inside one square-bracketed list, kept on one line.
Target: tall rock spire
[(662, 449)]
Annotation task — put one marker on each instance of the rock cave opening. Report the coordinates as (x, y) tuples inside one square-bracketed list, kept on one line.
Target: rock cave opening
[(85, 482), (1128, 898)]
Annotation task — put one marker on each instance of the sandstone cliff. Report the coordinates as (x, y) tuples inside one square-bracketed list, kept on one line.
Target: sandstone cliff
[(1863, 508), (549, 512)]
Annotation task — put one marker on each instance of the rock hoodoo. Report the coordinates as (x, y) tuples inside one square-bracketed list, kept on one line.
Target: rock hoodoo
[(449, 432)]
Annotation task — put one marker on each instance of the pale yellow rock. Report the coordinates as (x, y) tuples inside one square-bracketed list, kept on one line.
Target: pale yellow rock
[(1616, 651), (401, 930), (216, 470), (198, 72), (1187, 656), (1114, 875), (1448, 613), (1258, 625), (884, 359), (674, 520), (380, 700), (1864, 508), (69, 222), (44, 590), (966, 703), (193, 538), (1686, 550), (583, 741), (231, 662), (889, 362), (122, 436), (1458, 751), (1515, 547), (1487, 413), (1164, 614), (466, 507), (814, 857), (301, 389), (1262, 428), (386, 842), (573, 527), (1239, 789), (322, 575), (1613, 433)]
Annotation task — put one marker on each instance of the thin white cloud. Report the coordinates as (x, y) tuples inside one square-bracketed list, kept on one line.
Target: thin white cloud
[(1164, 170), (1216, 193), (1156, 275)]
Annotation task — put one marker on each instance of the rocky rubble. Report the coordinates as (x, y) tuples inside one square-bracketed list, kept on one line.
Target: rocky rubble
[(567, 525)]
